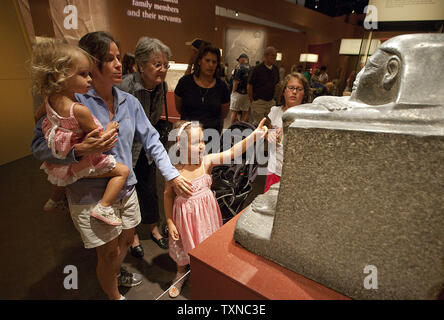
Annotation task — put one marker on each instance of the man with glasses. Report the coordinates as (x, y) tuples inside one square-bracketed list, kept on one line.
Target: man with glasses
[(261, 86)]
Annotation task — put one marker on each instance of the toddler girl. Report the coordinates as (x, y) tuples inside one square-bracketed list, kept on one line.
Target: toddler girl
[(192, 219), (58, 72)]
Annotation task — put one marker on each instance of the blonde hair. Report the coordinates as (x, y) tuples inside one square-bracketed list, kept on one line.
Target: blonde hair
[(182, 128), (53, 62)]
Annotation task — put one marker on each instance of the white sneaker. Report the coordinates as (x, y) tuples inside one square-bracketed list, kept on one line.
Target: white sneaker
[(106, 214)]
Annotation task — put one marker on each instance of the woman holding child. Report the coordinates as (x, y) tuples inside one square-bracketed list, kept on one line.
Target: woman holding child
[(107, 103)]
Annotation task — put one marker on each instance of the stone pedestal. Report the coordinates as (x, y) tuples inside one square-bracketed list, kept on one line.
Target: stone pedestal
[(223, 270), (351, 200)]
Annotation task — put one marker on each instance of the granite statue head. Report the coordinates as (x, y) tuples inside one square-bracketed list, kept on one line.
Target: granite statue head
[(401, 71)]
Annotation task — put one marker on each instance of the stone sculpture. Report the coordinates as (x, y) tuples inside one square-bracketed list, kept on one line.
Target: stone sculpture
[(360, 204)]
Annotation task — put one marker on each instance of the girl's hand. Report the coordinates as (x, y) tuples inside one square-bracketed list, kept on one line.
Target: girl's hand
[(261, 130), (172, 231)]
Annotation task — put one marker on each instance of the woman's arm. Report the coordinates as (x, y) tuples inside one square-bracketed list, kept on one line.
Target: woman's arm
[(250, 92), (41, 111), (239, 148), (178, 101), (92, 143), (224, 110), (148, 136), (168, 201)]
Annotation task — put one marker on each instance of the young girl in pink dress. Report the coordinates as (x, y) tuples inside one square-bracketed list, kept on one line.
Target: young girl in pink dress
[(59, 71), (193, 219)]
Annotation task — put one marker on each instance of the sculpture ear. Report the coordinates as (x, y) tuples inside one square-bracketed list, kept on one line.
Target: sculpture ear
[(393, 69)]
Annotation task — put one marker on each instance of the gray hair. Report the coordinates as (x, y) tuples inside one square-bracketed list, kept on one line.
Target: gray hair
[(147, 47), (269, 50)]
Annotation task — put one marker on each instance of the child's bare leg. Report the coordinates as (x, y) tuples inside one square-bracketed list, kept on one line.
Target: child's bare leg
[(233, 116), (118, 178), (57, 193), (181, 270), (244, 116), (56, 201), (176, 288)]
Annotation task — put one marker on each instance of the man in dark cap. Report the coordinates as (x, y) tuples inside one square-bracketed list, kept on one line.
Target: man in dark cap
[(240, 101), (195, 45)]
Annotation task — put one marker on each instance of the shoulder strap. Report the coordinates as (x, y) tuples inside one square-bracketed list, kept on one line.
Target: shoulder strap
[(71, 111), (165, 98)]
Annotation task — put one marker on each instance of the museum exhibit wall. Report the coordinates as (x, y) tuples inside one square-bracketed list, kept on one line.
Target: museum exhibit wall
[(175, 24), (320, 28), (290, 44), (16, 107), (195, 19)]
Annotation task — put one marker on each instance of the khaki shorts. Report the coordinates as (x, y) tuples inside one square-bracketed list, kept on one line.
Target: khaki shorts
[(260, 109), (239, 102), (96, 233)]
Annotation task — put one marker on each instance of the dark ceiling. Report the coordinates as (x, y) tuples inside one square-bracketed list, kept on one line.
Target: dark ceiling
[(335, 8)]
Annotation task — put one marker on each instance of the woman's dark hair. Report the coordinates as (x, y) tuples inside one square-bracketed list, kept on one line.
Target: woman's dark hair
[(128, 63), (202, 52), (97, 45)]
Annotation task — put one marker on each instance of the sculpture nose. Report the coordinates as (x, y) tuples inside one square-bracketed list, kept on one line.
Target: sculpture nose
[(356, 82)]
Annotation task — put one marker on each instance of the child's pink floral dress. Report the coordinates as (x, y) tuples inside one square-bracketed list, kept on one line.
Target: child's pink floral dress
[(62, 134)]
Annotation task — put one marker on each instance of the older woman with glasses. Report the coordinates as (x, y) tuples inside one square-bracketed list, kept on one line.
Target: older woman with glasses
[(149, 87), (295, 91)]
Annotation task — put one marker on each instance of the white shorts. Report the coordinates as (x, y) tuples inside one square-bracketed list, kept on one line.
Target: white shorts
[(239, 102), (96, 233)]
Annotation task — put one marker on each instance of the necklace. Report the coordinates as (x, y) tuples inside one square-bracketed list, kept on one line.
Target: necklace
[(203, 96), (204, 85)]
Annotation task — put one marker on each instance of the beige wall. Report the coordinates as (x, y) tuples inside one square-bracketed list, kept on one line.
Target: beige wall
[(290, 44), (197, 21), (17, 122)]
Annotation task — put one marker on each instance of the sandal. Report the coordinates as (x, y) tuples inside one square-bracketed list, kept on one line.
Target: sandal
[(175, 289), (174, 292)]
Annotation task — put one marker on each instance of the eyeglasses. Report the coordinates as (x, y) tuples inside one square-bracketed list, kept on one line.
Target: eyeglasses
[(297, 89), (158, 66)]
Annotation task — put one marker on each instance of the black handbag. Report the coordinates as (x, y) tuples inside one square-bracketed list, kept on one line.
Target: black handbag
[(164, 126)]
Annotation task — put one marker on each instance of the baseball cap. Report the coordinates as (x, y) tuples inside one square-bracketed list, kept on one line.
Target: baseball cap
[(196, 43), (243, 55)]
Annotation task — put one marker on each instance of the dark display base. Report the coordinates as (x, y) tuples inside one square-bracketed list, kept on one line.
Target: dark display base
[(223, 270)]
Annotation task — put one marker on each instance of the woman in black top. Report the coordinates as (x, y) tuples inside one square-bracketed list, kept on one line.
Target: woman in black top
[(202, 96)]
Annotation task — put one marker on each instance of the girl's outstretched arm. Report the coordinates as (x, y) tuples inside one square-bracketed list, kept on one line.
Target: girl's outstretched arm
[(239, 148), (168, 200)]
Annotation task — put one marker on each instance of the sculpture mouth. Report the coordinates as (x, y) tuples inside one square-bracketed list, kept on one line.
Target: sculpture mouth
[(355, 86)]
